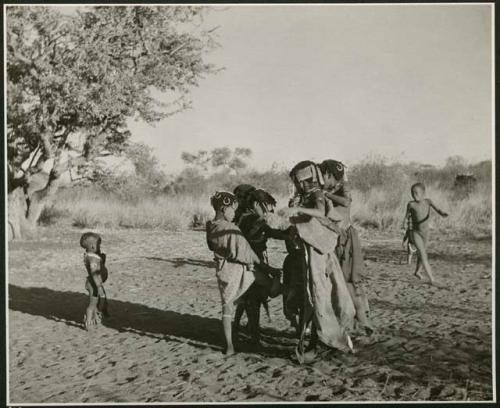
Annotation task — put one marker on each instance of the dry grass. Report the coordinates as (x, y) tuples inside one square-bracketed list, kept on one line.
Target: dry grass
[(384, 210), (378, 208), (162, 212)]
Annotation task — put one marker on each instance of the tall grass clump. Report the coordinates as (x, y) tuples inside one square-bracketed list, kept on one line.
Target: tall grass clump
[(89, 208)]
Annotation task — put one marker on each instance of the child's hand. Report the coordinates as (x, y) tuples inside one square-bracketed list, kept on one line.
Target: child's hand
[(100, 291)]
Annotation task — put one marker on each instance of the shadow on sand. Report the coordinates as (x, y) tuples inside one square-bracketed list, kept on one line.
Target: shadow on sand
[(178, 262), (69, 308)]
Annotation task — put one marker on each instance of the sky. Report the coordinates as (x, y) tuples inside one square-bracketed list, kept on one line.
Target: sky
[(412, 83)]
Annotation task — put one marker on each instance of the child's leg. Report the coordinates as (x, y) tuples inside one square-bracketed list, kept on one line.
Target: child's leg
[(422, 256), (240, 309), (90, 313), (227, 315), (410, 253), (253, 314), (418, 274), (103, 304)]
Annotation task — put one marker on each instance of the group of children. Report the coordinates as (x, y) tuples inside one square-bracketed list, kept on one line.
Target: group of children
[(321, 278)]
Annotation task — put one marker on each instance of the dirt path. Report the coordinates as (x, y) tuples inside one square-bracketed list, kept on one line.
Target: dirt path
[(163, 341)]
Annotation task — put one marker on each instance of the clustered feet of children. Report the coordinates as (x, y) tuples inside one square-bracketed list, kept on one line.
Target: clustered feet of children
[(321, 279)]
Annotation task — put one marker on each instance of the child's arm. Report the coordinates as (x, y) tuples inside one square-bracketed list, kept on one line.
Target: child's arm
[(275, 233), (340, 198), (239, 250), (95, 268), (317, 212), (407, 214), (440, 212), (312, 212)]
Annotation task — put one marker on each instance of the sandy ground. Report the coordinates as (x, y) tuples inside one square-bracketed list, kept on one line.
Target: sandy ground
[(163, 340)]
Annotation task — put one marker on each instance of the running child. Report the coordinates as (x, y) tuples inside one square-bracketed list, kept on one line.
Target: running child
[(417, 215)]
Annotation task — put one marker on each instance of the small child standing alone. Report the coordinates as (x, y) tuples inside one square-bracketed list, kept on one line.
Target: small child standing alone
[(95, 263), (417, 215)]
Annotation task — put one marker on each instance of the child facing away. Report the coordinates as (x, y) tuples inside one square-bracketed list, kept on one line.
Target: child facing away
[(234, 259), (95, 264), (417, 217)]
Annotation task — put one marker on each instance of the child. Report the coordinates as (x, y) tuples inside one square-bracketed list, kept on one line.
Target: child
[(325, 295), (94, 261), (255, 229), (348, 248), (418, 213), (242, 191), (234, 259)]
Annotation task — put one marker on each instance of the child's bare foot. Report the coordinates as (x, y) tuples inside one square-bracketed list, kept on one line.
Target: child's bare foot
[(230, 352), (418, 274)]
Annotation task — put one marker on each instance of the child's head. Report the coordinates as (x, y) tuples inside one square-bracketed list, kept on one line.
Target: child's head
[(306, 176), (261, 202), (91, 242), (224, 204), (418, 191), (333, 172), (242, 192)]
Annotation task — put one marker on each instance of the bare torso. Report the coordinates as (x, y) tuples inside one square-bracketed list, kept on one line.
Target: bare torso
[(419, 212)]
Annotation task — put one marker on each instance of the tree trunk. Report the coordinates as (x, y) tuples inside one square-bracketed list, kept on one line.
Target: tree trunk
[(16, 213), (40, 198), (25, 209)]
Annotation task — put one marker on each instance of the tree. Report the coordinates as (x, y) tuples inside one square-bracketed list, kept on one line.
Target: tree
[(87, 73), (220, 158)]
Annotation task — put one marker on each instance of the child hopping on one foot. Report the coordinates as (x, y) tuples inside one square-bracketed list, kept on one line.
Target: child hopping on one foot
[(418, 213), (94, 261)]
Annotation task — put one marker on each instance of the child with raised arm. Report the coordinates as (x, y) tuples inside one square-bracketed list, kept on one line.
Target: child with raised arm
[(234, 259), (95, 263), (417, 215)]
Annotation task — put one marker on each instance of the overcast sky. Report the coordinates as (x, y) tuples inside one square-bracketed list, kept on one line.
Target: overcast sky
[(311, 82)]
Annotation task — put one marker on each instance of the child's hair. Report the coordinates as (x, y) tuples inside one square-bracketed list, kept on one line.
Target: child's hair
[(90, 241), (261, 196), (333, 167), (222, 199), (418, 185), (242, 193)]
